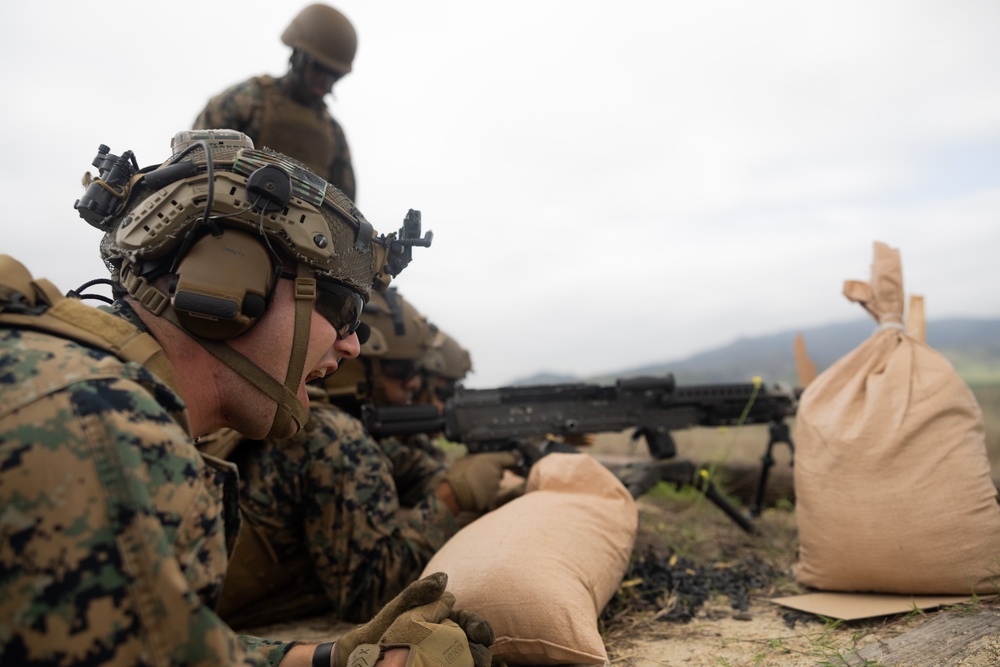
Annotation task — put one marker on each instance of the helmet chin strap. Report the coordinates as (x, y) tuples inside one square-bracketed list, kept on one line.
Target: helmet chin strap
[(290, 409), (305, 297)]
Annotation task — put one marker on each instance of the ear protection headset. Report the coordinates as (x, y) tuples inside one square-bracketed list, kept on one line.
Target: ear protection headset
[(223, 285), (225, 282)]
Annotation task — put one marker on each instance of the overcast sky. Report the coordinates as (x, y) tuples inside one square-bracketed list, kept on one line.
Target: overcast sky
[(609, 184)]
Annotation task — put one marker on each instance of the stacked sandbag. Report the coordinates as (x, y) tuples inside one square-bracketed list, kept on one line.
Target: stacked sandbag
[(542, 567), (892, 479)]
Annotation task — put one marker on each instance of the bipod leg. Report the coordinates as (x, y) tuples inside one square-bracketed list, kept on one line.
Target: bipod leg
[(703, 483), (778, 432), (641, 477)]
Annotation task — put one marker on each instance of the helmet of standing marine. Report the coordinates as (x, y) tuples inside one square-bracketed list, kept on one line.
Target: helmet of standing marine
[(325, 35)]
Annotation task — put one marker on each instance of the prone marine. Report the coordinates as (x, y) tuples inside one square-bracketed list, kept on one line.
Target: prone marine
[(238, 275)]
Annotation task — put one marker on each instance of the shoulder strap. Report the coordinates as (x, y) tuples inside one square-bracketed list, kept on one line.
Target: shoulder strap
[(36, 304)]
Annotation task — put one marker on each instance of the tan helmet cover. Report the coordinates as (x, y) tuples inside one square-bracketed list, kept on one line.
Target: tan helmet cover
[(399, 331), (319, 226), (326, 35), (446, 357), (350, 381)]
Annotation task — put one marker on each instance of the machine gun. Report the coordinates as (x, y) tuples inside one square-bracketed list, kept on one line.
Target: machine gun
[(502, 419)]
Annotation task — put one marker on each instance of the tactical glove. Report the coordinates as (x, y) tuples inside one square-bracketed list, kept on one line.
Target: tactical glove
[(419, 593), (479, 633), (435, 639), (475, 479), (420, 619)]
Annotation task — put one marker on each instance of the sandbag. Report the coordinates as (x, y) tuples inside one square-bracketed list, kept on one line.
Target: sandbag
[(892, 478), (542, 567)]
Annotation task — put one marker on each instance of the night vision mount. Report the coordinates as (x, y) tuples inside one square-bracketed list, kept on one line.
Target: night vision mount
[(105, 194), (401, 248)]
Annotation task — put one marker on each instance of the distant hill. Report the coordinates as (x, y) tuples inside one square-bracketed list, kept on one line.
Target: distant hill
[(971, 345)]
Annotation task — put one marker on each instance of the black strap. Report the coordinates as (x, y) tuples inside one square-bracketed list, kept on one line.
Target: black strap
[(321, 656)]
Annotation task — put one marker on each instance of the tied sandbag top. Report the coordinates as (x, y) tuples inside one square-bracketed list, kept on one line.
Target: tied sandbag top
[(883, 296)]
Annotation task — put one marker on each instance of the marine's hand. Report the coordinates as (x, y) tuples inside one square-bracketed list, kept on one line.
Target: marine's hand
[(479, 633), (434, 637), (418, 594), (475, 478), (434, 633)]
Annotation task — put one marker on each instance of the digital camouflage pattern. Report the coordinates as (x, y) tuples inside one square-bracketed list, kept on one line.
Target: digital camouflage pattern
[(326, 502), (114, 528), (315, 133), (418, 466)]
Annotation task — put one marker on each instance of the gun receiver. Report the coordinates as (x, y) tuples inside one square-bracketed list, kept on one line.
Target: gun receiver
[(497, 419), (652, 406)]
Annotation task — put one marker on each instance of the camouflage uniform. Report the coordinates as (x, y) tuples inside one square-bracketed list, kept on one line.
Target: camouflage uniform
[(243, 107), (326, 507), (114, 527), (418, 465)]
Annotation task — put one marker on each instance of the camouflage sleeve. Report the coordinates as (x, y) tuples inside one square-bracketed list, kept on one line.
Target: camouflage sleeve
[(416, 468), (236, 108), (113, 540), (332, 484)]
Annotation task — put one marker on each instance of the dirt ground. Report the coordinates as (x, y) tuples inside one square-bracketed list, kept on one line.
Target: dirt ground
[(698, 589), (720, 633)]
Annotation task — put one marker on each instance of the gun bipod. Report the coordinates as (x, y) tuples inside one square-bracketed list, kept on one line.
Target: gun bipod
[(639, 478), (779, 432)]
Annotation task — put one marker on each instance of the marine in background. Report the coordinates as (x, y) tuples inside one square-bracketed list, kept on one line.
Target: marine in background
[(116, 529), (289, 113), (335, 520), (445, 364), (390, 371)]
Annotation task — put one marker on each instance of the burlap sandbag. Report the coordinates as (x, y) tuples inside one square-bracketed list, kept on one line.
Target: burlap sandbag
[(892, 480), (542, 567)]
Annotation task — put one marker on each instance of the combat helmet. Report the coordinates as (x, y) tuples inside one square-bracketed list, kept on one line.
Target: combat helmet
[(400, 338), (446, 358), (444, 365), (326, 35), (202, 239)]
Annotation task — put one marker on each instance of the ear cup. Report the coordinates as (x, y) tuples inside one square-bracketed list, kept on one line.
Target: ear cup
[(223, 285)]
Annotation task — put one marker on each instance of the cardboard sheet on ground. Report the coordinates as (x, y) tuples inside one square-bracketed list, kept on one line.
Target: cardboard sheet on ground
[(854, 606)]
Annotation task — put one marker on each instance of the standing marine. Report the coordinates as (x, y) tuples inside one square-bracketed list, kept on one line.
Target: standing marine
[(288, 113)]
